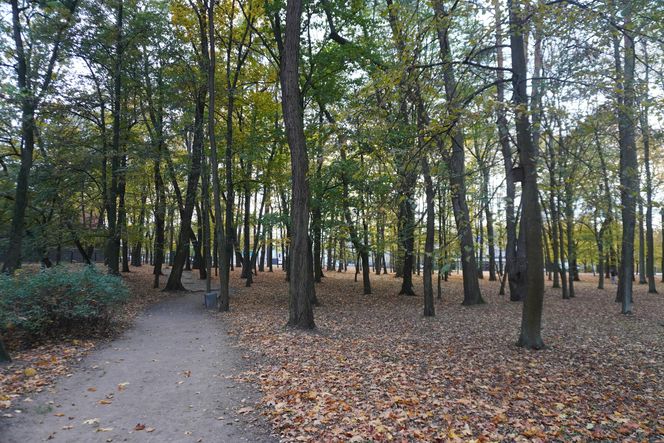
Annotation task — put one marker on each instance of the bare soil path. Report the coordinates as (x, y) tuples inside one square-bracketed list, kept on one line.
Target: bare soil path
[(167, 379)]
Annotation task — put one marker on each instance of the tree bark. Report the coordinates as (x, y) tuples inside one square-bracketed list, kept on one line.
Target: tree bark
[(429, 308), (629, 181), (112, 252), (361, 247), (645, 136), (4, 354), (301, 281), (456, 165), (504, 139), (531, 320), (174, 282)]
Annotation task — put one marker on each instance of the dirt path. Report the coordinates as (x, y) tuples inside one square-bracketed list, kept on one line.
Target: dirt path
[(170, 373)]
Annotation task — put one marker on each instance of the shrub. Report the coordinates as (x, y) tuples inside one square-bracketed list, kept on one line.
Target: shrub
[(58, 301)]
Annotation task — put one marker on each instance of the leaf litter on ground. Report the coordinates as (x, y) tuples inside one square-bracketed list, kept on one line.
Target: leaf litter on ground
[(376, 370)]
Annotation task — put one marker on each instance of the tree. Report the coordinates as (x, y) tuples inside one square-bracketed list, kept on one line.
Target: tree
[(456, 164), (301, 287), (531, 321), (629, 180), (33, 84)]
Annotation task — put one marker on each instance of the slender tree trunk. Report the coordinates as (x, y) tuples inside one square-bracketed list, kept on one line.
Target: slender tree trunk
[(456, 164), (489, 229), (29, 99), (174, 282), (555, 219), (270, 247), (246, 259), (112, 252), (361, 247), (564, 275), (504, 139), (645, 137), (569, 223), (642, 245), (159, 216), (429, 308), (316, 222), (4, 354)]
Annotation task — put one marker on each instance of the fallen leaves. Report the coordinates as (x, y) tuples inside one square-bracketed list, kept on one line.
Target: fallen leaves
[(376, 371), (53, 360)]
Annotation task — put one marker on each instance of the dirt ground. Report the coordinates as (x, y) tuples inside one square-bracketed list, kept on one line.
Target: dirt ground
[(170, 378)]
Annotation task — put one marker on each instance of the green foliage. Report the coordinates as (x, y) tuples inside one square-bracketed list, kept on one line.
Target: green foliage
[(58, 301)]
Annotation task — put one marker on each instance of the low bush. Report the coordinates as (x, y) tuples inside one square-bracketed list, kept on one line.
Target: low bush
[(58, 301)]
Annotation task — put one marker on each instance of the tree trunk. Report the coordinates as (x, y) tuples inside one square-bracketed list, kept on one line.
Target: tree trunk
[(29, 99), (555, 219), (300, 311), (645, 137), (531, 321), (456, 164), (112, 252), (246, 259), (159, 216), (504, 139), (361, 247), (489, 230), (4, 355), (174, 282), (429, 308), (629, 181), (642, 246), (569, 224)]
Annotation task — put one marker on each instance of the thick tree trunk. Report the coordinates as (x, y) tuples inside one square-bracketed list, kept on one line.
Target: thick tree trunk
[(531, 321), (301, 281), (629, 180)]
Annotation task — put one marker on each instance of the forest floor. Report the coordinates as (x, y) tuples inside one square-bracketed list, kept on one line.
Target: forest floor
[(168, 378), (374, 370)]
